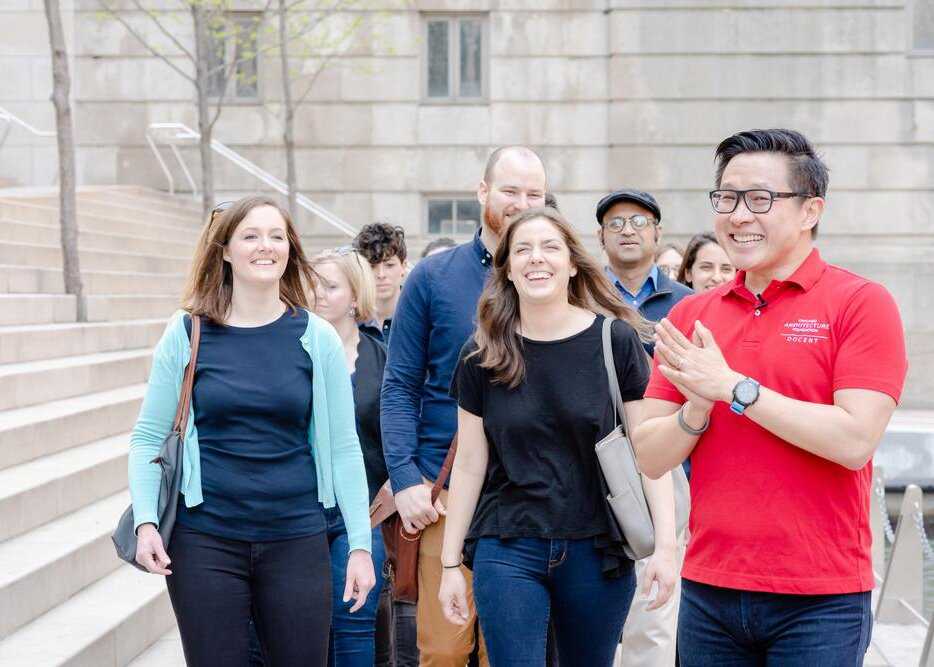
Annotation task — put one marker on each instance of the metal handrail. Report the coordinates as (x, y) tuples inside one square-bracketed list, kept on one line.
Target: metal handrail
[(10, 118), (181, 132)]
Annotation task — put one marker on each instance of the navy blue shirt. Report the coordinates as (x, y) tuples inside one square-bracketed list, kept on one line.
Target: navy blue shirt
[(436, 314), (252, 401), (658, 295)]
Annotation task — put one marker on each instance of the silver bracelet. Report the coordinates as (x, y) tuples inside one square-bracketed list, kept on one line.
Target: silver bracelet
[(687, 427)]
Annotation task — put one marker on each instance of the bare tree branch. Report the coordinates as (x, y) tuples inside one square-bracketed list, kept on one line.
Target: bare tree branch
[(142, 40), (314, 77), (165, 31)]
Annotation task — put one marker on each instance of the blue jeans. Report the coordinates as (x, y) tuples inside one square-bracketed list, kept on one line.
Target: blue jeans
[(353, 636), (519, 583), (723, 627)]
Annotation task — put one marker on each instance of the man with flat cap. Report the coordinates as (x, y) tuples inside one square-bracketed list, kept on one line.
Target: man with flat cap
[(630, 230)]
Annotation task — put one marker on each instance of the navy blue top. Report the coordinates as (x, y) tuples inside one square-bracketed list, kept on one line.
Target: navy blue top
[(436, 314), (659, 295), (252, 402)]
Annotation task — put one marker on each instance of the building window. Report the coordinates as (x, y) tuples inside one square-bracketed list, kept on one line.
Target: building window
[(923, 26), (455, 57), (453, 217), (233, 70)]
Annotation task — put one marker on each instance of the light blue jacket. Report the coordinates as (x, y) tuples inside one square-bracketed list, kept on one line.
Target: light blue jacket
[(332, 433)]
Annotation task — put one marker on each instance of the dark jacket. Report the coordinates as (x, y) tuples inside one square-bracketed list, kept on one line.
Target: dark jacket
[(668, 292)]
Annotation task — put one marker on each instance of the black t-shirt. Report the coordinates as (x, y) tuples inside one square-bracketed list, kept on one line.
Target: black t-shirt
[(367, 379), (543, 479)]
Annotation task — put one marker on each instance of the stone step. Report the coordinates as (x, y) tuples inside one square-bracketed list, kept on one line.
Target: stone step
[(105, 625), (32, 382), (36, 308), (31, 279), (32, 254), (16, 209), (51, 341), (143, 202), (102, 308), (109, 208), (47, 488), (50, 235), (44, 567), (30, 433), (36, 279), (165, 652)]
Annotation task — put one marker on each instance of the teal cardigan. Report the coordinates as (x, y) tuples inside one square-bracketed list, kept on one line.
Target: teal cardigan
[(332, 433)]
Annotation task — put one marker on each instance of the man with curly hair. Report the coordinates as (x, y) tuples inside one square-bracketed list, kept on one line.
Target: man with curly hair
[(383, 245)]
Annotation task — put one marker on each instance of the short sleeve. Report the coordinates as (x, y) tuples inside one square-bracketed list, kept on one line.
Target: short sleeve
[(871, 344), (659, 386), (469, 380), (631, 360)]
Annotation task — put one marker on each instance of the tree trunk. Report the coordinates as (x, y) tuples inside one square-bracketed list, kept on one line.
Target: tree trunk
[(288, 133), (205, 128), (61, 98)]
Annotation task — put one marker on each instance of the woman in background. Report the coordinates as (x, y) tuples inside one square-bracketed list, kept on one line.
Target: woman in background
[(668, 259), (705, 264), (345, 296)]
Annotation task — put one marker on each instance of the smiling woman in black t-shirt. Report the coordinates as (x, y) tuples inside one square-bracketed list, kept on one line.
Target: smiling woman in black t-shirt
[(527, 493)]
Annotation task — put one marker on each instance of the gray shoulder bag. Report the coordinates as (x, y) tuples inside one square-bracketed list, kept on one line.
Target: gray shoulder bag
[(623, 478), (170, 461)]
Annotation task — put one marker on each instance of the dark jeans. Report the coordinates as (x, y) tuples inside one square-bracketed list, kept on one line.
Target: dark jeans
[(353, 636), (723, 627), (404, 635), (218, 584), (520, 583)]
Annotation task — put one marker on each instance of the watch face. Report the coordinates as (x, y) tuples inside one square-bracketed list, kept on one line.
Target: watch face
[(746, 392)]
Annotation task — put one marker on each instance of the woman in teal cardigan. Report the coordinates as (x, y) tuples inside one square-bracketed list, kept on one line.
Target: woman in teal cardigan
[(271, 440)]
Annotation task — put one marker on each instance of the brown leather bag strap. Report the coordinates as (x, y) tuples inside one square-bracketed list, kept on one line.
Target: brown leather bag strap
[(188, 381), (445, 470)]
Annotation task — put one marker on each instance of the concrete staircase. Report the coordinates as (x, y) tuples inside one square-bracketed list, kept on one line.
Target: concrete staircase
[(69, 395)]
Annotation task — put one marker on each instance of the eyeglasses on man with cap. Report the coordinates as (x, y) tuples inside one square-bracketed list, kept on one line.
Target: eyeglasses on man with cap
[(638, 221)]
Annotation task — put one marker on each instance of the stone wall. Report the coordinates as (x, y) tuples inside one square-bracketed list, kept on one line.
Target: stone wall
[(613, 92)]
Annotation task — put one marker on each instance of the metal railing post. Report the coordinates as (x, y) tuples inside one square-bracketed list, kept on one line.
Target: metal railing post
[(902, 591)]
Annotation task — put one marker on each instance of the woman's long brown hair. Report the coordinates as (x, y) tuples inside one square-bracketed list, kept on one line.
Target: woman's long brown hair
[(499, 344), (210, 283)]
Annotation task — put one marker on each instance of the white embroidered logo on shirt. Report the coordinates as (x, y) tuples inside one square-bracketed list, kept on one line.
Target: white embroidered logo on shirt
[(808, 331)]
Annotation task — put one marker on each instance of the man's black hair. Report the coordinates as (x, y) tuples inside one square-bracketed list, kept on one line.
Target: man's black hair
[(551, 200), (380, 241), (807, 171)]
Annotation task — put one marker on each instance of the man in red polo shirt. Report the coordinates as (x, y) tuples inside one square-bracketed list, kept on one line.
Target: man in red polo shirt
[(779, 386)]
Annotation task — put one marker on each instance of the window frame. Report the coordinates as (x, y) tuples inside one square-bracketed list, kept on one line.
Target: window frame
[(454, 198), (230, 96), (916, 51), (453, 20)]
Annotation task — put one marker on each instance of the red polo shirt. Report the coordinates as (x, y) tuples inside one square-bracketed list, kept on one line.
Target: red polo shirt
[(766, 515)]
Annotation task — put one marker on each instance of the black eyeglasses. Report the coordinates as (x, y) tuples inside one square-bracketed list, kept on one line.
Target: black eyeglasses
[(757, 201), (638, 221)]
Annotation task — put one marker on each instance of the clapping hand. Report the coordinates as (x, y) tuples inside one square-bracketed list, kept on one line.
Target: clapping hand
[(696, 367)]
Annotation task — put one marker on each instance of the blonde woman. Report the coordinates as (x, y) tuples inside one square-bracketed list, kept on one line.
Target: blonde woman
[(270, 440), (345, 296)]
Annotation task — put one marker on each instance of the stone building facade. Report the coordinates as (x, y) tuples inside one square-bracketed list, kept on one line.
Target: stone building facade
[(612, 92)]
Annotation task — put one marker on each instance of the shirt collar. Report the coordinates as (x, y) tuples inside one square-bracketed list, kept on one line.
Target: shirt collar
[(486, 259), (652, 278), (805, 277)]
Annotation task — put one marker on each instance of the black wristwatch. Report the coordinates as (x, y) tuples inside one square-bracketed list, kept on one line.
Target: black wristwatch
[(745, 393)]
